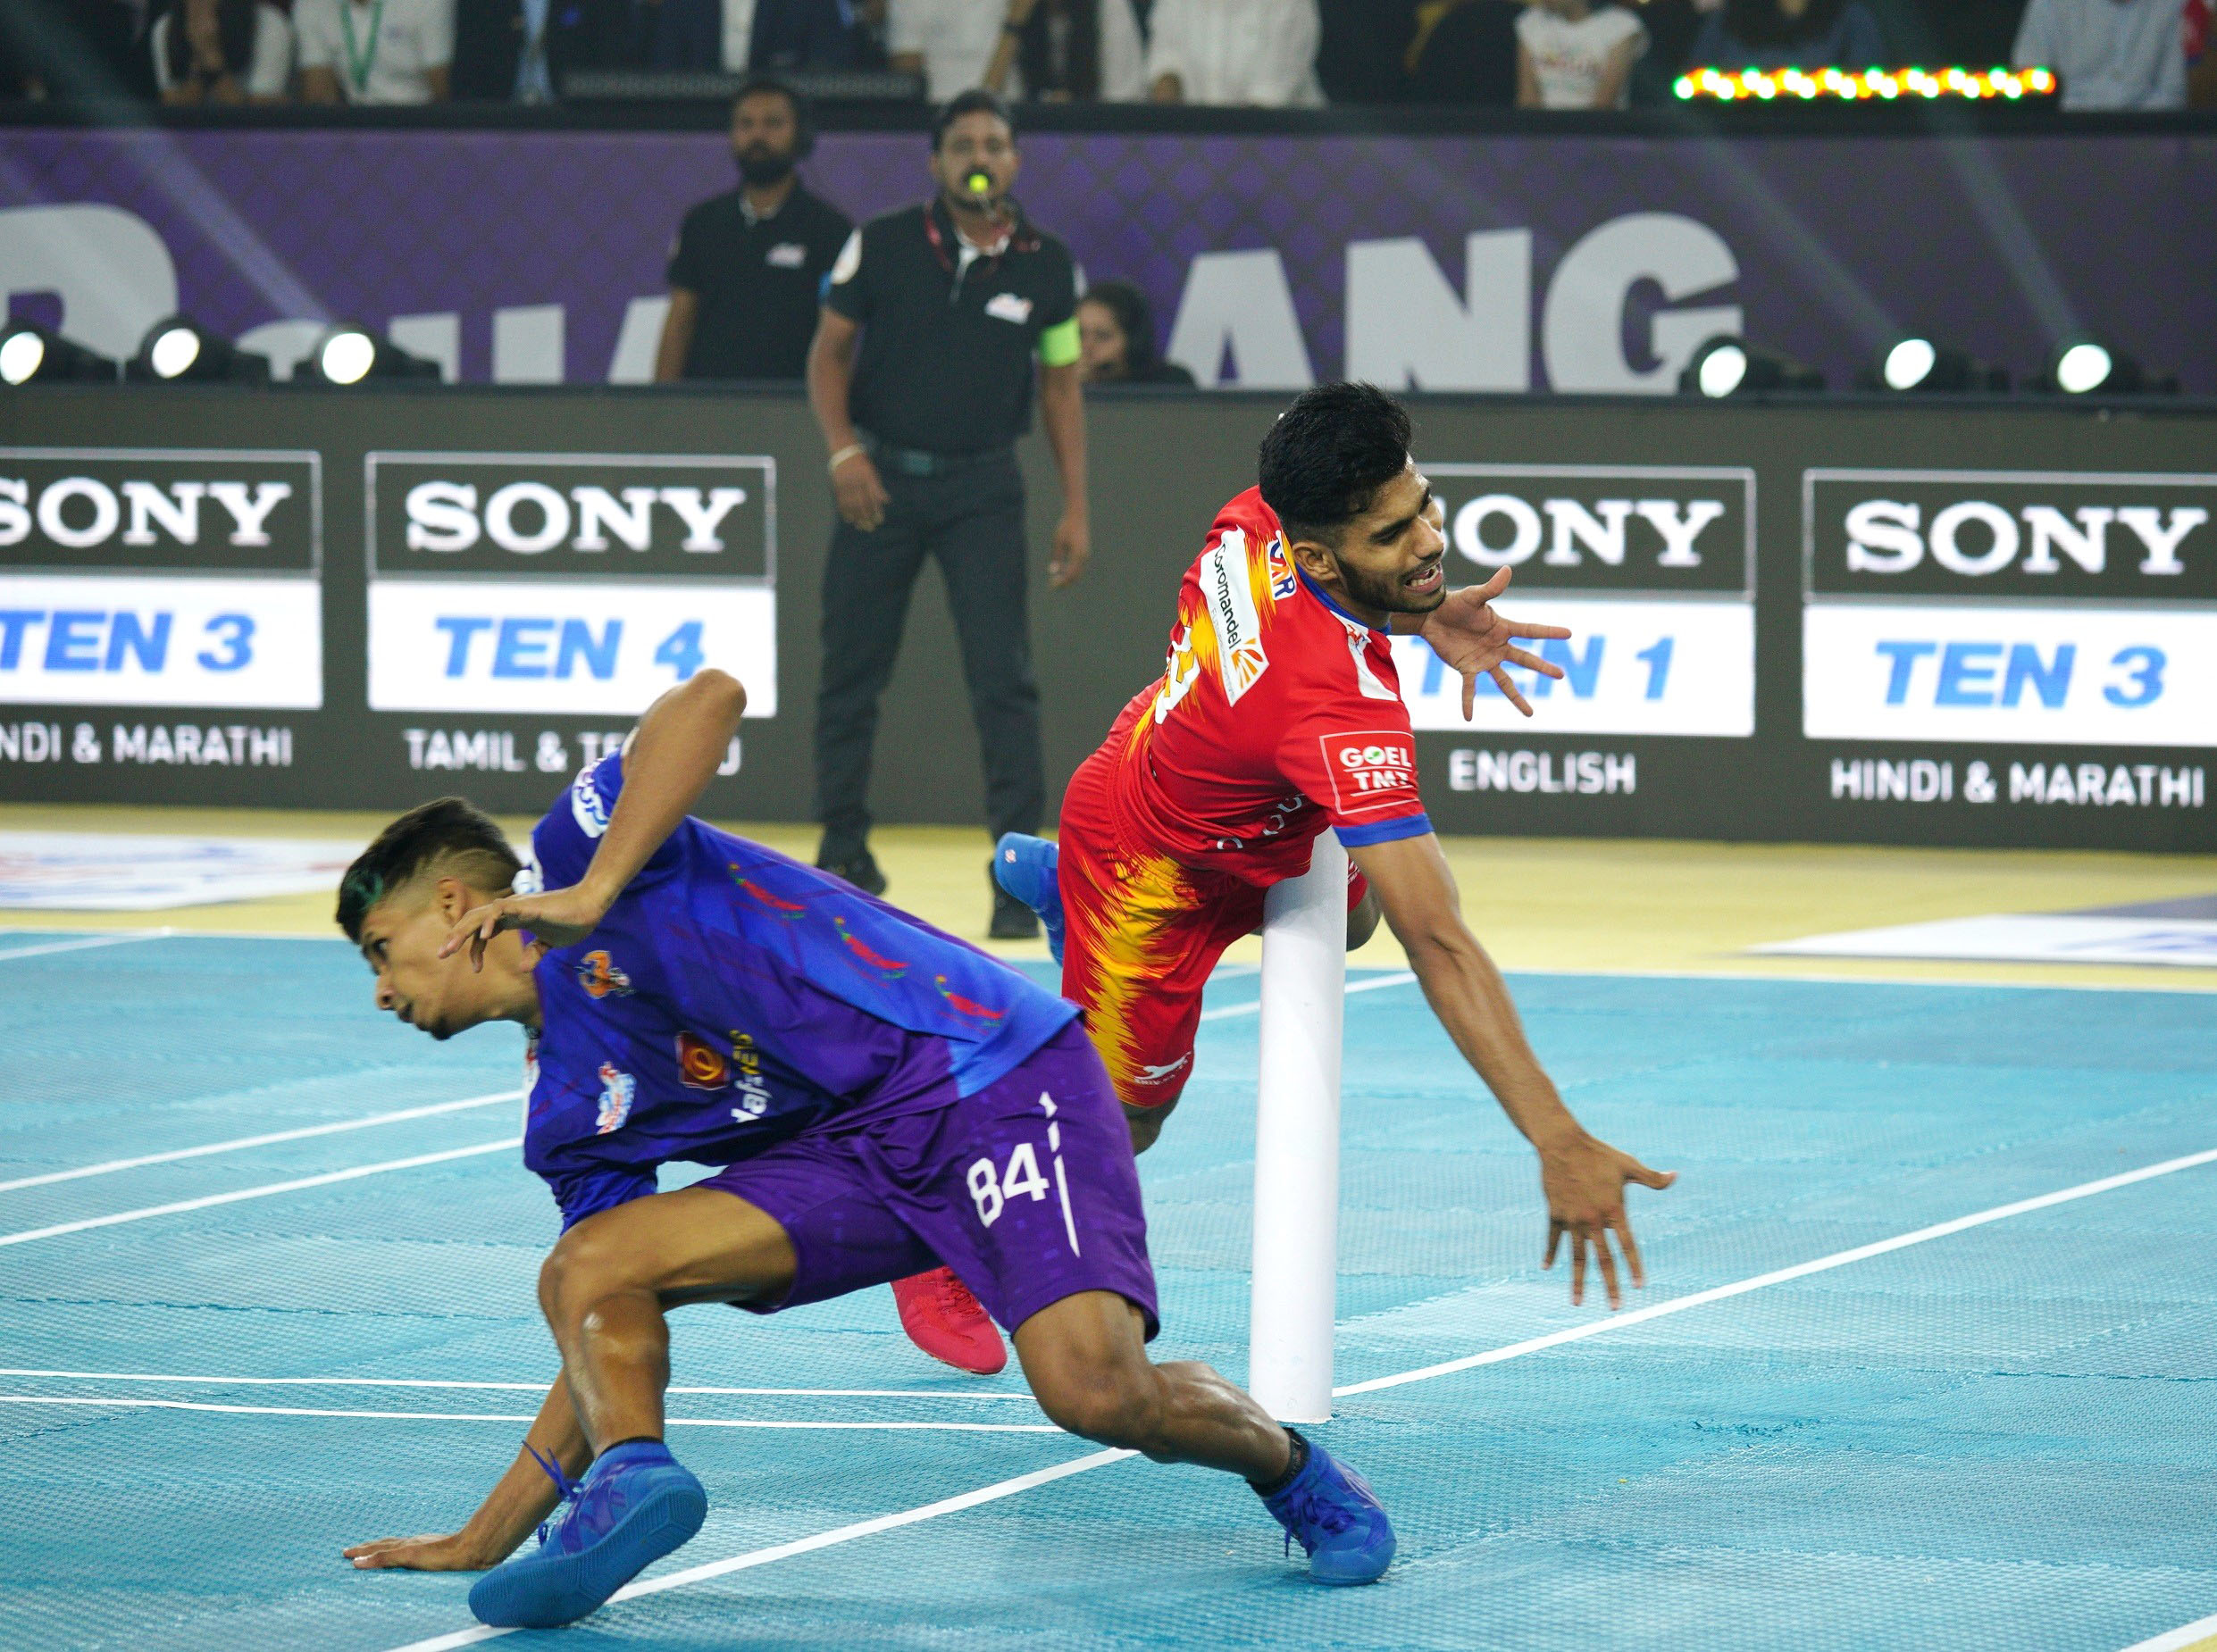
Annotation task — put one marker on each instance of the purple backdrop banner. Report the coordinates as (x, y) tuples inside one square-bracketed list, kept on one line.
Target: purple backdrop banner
[(1568, 263)]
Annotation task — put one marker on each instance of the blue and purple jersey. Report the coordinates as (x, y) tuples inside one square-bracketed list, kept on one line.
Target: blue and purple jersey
[(733, 997)]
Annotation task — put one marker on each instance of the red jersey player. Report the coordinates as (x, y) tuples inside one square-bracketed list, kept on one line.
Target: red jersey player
[(1279, 714)]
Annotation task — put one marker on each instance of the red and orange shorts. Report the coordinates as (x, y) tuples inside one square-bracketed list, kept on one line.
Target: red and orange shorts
[(1142, 933)]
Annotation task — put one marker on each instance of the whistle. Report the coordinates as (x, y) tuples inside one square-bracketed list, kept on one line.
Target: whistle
[(978, 182)]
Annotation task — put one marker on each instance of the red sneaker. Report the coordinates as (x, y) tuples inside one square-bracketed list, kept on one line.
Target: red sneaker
[(943, 1318)]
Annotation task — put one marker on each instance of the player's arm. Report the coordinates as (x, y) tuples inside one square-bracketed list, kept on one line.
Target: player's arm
[(667, 764), (1582, 1175), (526, 1495)]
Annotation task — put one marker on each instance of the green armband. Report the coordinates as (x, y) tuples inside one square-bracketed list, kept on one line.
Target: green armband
[(1059, 344)]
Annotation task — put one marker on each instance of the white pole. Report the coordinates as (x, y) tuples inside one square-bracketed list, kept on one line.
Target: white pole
[(1297, 1139)]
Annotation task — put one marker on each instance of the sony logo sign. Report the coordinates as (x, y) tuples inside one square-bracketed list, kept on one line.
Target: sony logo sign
[(92, 508), (571, 515), (1603, 527), (527, 518), (2010, 535)]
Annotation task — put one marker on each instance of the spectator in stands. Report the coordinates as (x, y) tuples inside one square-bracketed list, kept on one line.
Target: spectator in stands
[(1261, 53), (1464, 52), (1071, 51), (374, 50), (2111, 54), (749, 265), (950, 43), (221, 52), (79, 49), (1576, 54), (1116, 339), (800, 35), (685, 35), (520, 50), (1783, 34)]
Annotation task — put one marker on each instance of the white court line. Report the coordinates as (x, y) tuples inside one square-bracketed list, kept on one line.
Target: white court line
[(105, 939), (129, 1403), (2178, 1640), (1399, 978), (325, 1180), (1078, 1465), (517, 1388), (109, 1166)]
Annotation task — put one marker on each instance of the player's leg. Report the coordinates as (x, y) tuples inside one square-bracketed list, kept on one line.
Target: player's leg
[(867, 581)]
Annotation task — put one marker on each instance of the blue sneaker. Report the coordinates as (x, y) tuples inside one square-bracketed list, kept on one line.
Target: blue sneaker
[(1334, 1515), (634, 1506), (1026, 868)]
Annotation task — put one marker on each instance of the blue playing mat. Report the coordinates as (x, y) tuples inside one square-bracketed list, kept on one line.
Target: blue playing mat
[(1996, 1437)]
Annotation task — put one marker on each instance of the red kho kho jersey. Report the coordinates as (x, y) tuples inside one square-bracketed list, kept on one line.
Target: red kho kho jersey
[(1277, 714)]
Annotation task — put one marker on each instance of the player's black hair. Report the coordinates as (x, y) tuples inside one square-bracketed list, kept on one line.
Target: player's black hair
[(802, 106), (1326, 458), (978, 100), (451, 836)]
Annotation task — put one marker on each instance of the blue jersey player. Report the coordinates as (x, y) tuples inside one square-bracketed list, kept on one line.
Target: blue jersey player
[(882, 1098)]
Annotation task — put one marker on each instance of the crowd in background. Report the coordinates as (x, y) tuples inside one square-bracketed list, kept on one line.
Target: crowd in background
[(1270, 53)]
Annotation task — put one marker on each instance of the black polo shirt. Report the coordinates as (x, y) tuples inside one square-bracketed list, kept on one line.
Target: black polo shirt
[(759, 281), (948, 343)]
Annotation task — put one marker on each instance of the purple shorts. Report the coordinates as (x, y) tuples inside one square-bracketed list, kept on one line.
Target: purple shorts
[(1025, 1189)]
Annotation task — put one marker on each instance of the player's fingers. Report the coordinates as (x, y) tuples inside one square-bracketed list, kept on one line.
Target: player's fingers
[(1622, 1227), (1607, 1258), (1533, 663), (1492, 588), (1657, 1179), (1469, 696), (1577, 1267), (1508, 690), (1554, 1243), (1518, 628)]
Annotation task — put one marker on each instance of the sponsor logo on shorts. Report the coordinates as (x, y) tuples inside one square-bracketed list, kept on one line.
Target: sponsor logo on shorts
[(1162, 1074), (599, 975), (1372, 770), (1241, 661), (617, 1087), (700, 1065)]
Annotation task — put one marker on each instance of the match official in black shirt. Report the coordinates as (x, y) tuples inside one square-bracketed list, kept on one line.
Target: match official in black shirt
[(959, 306), (747, 273)]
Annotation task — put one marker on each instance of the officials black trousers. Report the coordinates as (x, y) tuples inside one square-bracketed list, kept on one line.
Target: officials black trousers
[(971, 521)]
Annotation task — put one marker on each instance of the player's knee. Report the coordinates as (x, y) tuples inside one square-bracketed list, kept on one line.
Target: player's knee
[(580, 1269), (1146, 1122), (1118, 1405), (1362, 921)]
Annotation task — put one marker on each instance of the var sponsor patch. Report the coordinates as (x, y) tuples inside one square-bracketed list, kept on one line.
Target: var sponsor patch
[(1372, 770)]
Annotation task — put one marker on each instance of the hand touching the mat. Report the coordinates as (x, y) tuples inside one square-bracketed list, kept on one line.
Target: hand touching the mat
[(428, 1553), (557, 917), (1476, 642), (1584, 1181)]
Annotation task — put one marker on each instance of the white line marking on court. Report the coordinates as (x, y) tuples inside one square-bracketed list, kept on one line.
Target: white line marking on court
[(105, 939), (132, 1403), (1079, 1466), (1371, 983), (2181, 1639), (1800, 1269), (109, 1166), (325, 1180), (802, 1545), (518, 1388)]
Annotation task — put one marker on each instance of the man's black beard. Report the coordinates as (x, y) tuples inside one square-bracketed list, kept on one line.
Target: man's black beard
[(1384, 593), (760, 171)]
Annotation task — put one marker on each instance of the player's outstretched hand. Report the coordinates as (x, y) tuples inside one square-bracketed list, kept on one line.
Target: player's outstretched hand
[(558, 917), (1584, 1187), (1476, 642), (428, 1553)]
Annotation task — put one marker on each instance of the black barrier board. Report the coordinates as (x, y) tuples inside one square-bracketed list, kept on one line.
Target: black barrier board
[(1758, 653)]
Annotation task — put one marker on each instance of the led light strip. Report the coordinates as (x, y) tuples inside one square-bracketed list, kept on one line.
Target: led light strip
[(1726, 86)]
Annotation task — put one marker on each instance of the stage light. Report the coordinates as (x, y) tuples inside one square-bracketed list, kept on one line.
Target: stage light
[(31, 355), (1918, 366), (1729, 86), (182, 350), (2084, 366), (349, 355), (1729, 366)]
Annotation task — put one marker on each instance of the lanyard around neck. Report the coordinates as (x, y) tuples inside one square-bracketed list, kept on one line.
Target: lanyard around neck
[(361, 62)]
